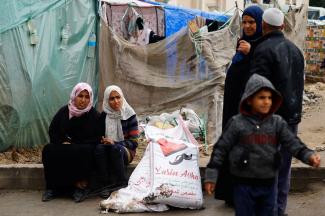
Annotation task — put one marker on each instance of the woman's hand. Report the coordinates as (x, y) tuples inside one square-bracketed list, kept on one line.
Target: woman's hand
[(107, 140), (244, 47)]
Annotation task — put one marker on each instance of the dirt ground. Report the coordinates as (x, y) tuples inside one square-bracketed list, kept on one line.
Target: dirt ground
[(311, 130)]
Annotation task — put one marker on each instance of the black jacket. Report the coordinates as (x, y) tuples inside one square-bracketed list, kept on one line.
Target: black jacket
[(236, 79), (280, 61), (77, 130)]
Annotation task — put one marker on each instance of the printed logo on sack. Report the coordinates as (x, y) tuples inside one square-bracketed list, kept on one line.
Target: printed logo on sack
[(169, 148)]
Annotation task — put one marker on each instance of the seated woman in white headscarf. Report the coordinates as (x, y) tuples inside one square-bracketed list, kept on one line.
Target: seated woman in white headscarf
[(119, 142), (68, 159)]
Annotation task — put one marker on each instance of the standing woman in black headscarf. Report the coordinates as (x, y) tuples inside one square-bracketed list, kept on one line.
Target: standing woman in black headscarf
[(236, 79), (238, 72)]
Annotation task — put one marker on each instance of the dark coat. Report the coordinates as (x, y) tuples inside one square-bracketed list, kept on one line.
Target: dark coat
[(66, 164), (280, 61), (236, 79), (77, 130), (238, 72)]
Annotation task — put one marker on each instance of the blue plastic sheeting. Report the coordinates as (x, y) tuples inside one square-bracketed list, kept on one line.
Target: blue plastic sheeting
[(178, 17)]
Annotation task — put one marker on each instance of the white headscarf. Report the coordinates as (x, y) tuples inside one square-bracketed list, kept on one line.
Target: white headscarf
[(73, 110), (113, 118)]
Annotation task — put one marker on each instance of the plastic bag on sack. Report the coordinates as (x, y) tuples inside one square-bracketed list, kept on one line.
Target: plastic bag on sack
[(163, 121), (191, 119)]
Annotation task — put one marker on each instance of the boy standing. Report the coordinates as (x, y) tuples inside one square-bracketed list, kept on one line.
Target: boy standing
[(281, 62), (251, 143)]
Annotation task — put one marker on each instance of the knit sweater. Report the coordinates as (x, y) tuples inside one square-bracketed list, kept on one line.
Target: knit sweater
[(130, 131)]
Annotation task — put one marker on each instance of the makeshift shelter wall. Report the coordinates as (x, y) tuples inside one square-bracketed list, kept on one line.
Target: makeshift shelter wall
[(295, 24), (310, 39), (153, 17), (167, 75), (152, 83), (36, 80), (16, 12), (178, 17)]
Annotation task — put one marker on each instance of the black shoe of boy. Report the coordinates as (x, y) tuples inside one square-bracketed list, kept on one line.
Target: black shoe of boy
[(48, 195)]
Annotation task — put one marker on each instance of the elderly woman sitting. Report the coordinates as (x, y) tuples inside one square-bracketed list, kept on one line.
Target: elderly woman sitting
[(119, 128)]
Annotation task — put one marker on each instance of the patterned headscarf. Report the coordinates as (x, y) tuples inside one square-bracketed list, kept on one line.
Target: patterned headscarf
[(113, 118), (73, 110)]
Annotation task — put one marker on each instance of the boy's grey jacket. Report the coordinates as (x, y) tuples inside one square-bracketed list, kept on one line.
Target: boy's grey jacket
[(250, 142)]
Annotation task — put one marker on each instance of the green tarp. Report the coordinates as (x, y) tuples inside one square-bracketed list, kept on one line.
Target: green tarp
[(44, 52)]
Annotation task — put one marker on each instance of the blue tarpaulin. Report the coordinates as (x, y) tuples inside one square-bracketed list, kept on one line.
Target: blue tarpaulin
[(178, 17)]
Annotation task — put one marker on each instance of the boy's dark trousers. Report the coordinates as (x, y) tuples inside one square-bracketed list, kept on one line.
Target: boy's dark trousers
[(251, 200)]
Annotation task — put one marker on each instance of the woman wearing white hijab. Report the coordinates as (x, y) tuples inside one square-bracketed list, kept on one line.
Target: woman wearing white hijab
[(119, 141), (74, 133)]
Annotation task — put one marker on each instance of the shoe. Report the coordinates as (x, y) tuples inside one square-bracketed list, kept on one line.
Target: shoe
[(80, 195), (48, 195), (105, 193)]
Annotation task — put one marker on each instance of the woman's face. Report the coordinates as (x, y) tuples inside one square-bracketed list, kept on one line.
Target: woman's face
[(115, 101), (249, 25), (82, 100)]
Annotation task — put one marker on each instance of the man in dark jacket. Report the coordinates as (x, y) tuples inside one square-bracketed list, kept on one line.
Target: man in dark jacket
[(280, 61)]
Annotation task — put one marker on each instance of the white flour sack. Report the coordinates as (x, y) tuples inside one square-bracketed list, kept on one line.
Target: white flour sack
[(168, 174), (130, 199), (175, 174)]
